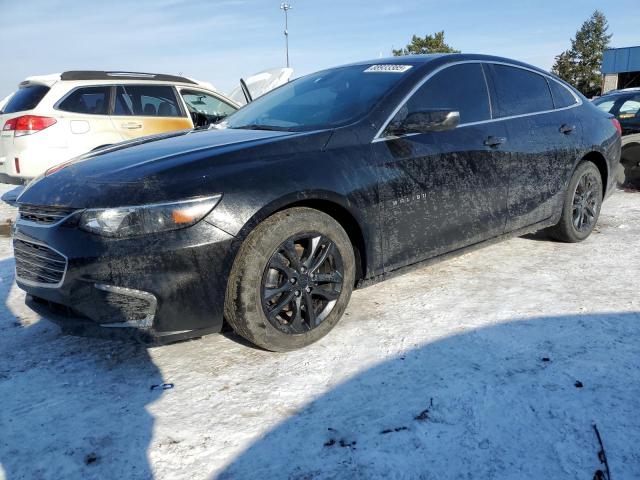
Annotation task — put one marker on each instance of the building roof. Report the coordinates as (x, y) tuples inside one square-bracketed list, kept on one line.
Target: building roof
[(619, 60)]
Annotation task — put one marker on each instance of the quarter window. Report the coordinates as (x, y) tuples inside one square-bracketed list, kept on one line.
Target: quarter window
[(561, 96), (88, 100), (520, 91), (461, 88), (146, 101)]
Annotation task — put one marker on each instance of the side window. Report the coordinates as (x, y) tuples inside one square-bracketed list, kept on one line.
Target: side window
[(146, 101), (630, 108), (520, 91), (88, 100), (460, 87), (561, 96), (206, 104)]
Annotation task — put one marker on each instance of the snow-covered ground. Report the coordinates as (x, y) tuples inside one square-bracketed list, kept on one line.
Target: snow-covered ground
[(466, 369)]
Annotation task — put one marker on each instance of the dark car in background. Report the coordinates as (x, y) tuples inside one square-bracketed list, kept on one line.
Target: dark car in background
[(335, 180), (625, 105)]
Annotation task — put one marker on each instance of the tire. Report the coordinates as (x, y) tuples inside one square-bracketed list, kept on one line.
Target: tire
[(266, 263), (582, 204)]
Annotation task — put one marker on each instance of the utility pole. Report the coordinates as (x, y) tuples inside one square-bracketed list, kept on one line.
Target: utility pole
[(286, 7)]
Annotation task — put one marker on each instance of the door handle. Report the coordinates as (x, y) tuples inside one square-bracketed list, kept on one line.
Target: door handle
[(131, 125), (567, 129), (494, 142)]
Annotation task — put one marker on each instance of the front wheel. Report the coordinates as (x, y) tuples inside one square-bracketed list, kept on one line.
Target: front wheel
[(582, 204), (291, 280)]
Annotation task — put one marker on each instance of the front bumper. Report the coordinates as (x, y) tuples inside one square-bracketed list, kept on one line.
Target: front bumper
[(168, 285)]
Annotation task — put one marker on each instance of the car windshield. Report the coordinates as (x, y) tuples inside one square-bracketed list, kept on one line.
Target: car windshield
[(325, 99)]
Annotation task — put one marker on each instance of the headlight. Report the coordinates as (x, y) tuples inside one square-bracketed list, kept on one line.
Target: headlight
[(144, 219)]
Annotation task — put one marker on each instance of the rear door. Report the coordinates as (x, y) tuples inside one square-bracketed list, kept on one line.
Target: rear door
[(84, 115), (544, 142), (141, 110), (444, 190)]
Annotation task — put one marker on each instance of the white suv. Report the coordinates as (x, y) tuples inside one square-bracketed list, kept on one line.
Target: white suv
[(51, 119)]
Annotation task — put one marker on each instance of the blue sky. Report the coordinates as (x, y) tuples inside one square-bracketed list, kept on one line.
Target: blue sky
[(221, 40)]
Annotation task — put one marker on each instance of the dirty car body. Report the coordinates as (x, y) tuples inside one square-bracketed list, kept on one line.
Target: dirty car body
[(403, 199)]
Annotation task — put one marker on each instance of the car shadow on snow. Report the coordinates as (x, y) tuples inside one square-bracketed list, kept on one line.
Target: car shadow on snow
[(70, 407), (511, 401)]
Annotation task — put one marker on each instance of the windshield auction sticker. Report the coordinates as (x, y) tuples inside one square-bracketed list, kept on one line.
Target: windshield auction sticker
[(388, 68)]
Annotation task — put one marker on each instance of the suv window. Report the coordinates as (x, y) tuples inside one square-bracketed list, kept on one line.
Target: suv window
[(460, 87), (561, 96), (26, 98), (146, 101), (91, 100), (520, 91), (206, 104)]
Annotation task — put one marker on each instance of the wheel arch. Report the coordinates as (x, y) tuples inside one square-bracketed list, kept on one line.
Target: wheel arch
[(330, 203), (599, 161)]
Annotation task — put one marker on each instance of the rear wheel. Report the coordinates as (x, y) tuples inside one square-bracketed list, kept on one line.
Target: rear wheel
[(291, 280), (581, 205)]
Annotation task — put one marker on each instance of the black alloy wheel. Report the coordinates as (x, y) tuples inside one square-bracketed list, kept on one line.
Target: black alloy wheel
[(581, 206), (291, 280), (302, 282), (586, 199)]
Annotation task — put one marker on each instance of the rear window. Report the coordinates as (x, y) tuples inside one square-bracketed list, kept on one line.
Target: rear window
[(561, 96), (146, 101), (520, 91), (605, 103), (91, 100), (26, 98)]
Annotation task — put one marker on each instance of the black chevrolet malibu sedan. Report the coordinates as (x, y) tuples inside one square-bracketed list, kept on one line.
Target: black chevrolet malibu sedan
[(333, 181)]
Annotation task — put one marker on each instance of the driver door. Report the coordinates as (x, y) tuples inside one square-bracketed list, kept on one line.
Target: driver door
[(444, 190), (204, 108)]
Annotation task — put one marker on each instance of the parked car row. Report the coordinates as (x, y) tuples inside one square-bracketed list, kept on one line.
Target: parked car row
[(51, 119), (625, 106), (335, 180)]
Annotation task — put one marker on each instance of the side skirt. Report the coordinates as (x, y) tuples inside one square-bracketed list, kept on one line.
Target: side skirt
[(456, 253)]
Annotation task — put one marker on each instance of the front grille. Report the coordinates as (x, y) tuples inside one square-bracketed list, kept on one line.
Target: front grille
[(44, 215), (37, 263)]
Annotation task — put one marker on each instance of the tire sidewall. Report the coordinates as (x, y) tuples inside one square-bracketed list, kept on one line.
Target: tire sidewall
[(243, 300)]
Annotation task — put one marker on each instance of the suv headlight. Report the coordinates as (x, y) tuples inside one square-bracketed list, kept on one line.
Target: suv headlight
[(145, 219)]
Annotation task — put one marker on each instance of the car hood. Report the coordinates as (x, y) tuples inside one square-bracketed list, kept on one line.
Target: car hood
[(163, 168)]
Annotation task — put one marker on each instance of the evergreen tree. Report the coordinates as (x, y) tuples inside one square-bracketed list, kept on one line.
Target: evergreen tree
[(429, 44), (580, 65)]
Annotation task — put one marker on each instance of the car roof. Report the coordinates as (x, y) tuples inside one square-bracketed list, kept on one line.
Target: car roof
[(620, 93), (122, 75), (92, 77), (441, 58)]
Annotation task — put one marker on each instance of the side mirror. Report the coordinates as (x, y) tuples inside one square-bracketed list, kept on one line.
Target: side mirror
[(425, 121)]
